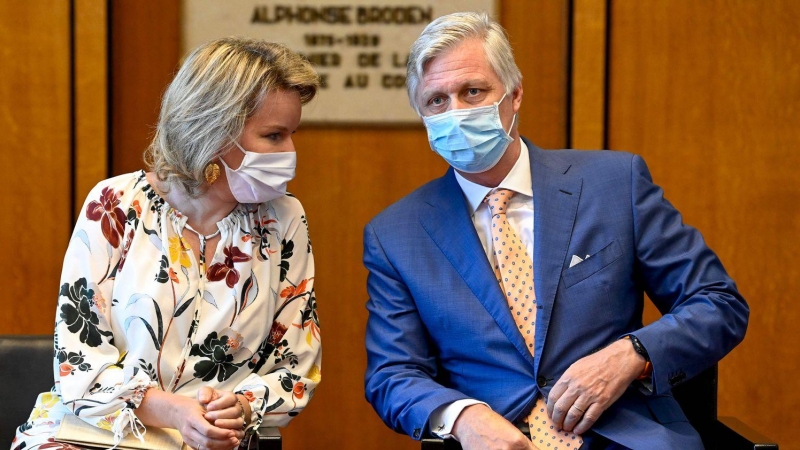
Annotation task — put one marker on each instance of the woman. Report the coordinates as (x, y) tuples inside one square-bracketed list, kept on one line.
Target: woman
[(187, 295)]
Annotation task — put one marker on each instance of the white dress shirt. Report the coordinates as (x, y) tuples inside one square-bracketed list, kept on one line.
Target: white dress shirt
[(520, 216)]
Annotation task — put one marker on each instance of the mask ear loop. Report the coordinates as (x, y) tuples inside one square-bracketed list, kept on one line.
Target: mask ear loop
[(501, 100), (236, 143), (511, 127), (240, 147)]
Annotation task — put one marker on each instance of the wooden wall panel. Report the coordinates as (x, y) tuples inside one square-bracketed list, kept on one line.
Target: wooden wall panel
[(345, 176), (144, 57), (588, 83), (91, 96), (708, 92), (35, 116), (538, 32)]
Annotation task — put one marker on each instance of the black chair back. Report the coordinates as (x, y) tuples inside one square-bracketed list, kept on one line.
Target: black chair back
[(698, 400), (25, 371)]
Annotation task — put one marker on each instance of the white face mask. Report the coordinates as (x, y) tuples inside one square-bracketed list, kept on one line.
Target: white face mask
[(262, 176)]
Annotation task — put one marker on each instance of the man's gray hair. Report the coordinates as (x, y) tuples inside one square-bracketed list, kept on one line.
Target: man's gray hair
[(219, 86), (447, 32)]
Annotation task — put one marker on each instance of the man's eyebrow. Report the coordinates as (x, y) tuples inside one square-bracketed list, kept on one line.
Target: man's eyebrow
[(429, 92)]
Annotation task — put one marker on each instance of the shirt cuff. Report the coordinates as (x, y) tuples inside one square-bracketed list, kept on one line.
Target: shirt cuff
[(444, 417)]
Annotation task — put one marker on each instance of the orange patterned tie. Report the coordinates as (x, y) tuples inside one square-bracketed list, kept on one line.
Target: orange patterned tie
[(514, 271)]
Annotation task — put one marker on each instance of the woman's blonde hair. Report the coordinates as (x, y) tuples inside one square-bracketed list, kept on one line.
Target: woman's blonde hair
[(218, 87)]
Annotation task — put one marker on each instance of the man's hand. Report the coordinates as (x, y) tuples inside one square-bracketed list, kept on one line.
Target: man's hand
[(478, 427), (592, 384)]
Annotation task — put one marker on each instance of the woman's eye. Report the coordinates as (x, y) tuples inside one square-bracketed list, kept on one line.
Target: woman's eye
[(273, 136)]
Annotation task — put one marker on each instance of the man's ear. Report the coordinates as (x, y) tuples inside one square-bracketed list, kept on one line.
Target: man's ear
[(516, 98)]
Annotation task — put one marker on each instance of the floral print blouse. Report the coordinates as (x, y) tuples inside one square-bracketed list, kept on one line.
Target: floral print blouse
[(136, 310)]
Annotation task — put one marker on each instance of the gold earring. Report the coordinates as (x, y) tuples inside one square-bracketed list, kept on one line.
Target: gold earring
[(212, 172)]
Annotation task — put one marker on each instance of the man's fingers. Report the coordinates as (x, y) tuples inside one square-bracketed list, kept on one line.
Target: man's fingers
[(562, 408), (574, 415), (555, 394), (589, 418)]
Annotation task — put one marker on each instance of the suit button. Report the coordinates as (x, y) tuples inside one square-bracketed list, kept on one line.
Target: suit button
[(416, 433), (541, 381)]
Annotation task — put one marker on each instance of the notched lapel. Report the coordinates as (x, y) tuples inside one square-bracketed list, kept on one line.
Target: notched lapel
[(555, 200), (450, 226)]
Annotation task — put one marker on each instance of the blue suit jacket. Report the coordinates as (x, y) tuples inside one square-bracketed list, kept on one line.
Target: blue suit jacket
[(439, 328)]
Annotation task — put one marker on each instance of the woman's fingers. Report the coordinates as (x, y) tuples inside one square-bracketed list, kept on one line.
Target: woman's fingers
[(222, 400), (206, 395)]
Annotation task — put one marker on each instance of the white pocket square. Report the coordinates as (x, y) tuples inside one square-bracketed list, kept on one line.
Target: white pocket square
[(577, 259)]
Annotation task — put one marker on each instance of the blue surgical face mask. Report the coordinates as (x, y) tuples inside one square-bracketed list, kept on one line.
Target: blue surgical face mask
[(471, 140)]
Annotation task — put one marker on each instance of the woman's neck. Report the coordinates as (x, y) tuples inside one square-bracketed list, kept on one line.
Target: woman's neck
[(203, 212)]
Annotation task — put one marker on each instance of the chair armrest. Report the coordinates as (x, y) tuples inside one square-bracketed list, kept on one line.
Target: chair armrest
[(734, 434), (269, 438), (440, 444)]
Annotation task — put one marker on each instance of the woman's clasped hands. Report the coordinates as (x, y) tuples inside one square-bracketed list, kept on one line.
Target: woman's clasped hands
[(213, 421)]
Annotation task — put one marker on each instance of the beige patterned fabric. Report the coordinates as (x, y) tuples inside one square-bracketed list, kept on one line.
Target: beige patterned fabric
[(514, 271)]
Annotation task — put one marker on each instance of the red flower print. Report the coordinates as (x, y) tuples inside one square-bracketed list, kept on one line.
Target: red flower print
[(225, 269), (276, 333), (173, 276), (124, 252), (263, 221), (138, 208), (112, 219), (299, 390), (65, 369), (249, 396)]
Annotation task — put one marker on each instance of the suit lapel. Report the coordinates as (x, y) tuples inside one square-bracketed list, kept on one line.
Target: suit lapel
[(555, 202), (450, 226)]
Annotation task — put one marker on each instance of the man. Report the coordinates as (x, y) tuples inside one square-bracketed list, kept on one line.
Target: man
[(506, 297)]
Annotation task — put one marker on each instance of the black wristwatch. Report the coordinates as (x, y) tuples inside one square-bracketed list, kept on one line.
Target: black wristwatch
[(637, 345)]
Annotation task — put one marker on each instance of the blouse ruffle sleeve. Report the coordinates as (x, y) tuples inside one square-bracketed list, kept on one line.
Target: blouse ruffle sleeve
[(91, 377), (287, 366)]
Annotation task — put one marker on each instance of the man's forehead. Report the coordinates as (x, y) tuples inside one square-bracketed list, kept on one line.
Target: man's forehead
[(459, 66)]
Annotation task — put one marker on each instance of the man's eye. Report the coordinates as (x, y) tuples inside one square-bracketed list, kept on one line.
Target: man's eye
[(436, 101), (474, 91)]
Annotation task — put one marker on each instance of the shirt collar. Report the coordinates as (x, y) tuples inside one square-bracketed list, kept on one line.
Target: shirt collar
[(517, 180)]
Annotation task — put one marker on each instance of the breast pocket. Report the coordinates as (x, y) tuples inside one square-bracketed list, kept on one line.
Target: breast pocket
[(592, 264)]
